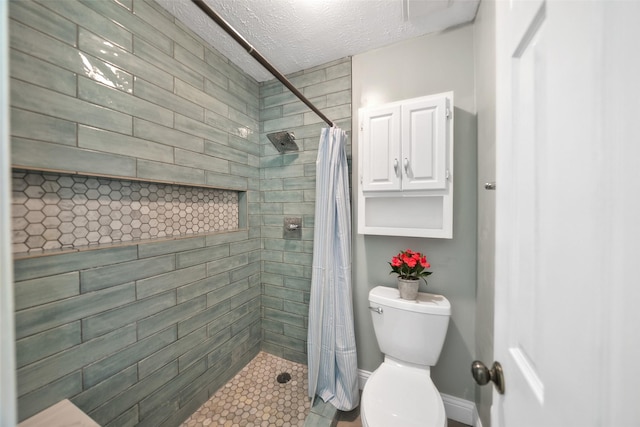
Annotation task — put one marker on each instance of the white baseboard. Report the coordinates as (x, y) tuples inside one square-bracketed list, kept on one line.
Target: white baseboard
[(363, 376), (457, 409), (461, 410)]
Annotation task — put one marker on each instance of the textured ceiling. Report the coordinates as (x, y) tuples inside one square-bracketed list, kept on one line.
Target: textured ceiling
[(298, 34)]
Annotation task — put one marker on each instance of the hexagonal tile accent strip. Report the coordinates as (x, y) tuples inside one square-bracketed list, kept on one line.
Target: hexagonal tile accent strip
[(61, 211), (254, 397)]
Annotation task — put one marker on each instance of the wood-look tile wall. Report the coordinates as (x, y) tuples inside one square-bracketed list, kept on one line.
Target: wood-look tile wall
[(287, 189), (141, 333)]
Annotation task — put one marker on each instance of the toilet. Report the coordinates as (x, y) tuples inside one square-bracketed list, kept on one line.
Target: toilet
[(410, 334)]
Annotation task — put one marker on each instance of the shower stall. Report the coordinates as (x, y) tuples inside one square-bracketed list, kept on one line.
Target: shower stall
[(144, 331)]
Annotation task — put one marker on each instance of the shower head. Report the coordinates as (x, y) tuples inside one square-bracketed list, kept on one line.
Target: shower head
[(283, 141)]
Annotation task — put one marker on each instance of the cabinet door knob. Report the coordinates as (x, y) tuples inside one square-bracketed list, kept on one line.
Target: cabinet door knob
[(395, 166), (406, 166)]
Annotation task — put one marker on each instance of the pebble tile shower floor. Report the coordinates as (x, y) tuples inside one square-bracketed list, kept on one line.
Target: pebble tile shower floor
[(254, 397)]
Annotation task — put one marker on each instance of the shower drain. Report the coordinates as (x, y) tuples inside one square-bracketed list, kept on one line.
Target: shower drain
[(284, 377)]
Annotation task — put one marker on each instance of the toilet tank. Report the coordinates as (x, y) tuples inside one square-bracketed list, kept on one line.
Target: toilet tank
[(409, 331)]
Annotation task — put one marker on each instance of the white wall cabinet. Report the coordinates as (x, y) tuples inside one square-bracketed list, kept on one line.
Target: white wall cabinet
[(406, 166)]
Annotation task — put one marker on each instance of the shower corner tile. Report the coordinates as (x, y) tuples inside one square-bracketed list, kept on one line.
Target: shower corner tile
[(324, 410), (315, 420)]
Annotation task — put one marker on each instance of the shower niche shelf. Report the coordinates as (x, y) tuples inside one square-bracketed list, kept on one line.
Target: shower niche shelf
[(54, 211)]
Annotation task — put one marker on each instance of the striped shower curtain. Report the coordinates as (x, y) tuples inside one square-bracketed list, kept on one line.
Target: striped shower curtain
[(331, 344)]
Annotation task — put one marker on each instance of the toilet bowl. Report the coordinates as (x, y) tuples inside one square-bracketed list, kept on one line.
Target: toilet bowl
[(400, 391), (397, 395)]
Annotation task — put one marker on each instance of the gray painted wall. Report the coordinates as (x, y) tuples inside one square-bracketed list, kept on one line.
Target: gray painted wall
[(287, 189), (422, 66), (484, 35), (145, 332)]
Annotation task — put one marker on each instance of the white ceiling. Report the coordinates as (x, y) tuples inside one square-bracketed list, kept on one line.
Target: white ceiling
[(294, 35)]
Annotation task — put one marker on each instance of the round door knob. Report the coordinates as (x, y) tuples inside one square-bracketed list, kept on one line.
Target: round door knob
[(480, 372), (483, 375)]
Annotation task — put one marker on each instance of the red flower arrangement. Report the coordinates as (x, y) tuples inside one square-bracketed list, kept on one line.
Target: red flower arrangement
[(410, 265)]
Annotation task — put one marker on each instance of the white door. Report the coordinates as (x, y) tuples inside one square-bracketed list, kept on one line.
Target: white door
[(567, 213), (425, 136), (381, 156)]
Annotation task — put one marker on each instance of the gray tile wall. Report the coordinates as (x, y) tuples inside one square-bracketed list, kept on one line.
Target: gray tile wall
[(137, 334), (91, 96), (287, 189), (144, 333)]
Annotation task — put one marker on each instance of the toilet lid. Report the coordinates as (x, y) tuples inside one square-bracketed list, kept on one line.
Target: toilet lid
[(401, 396)]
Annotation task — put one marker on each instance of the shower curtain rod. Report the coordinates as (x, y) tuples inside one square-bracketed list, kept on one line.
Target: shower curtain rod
[(261, 59)]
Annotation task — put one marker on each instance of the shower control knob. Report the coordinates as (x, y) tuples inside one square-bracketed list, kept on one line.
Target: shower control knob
[(483, 375)]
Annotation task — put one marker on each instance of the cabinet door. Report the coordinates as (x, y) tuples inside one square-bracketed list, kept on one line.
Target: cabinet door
[(424, 144), (381, 160)]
